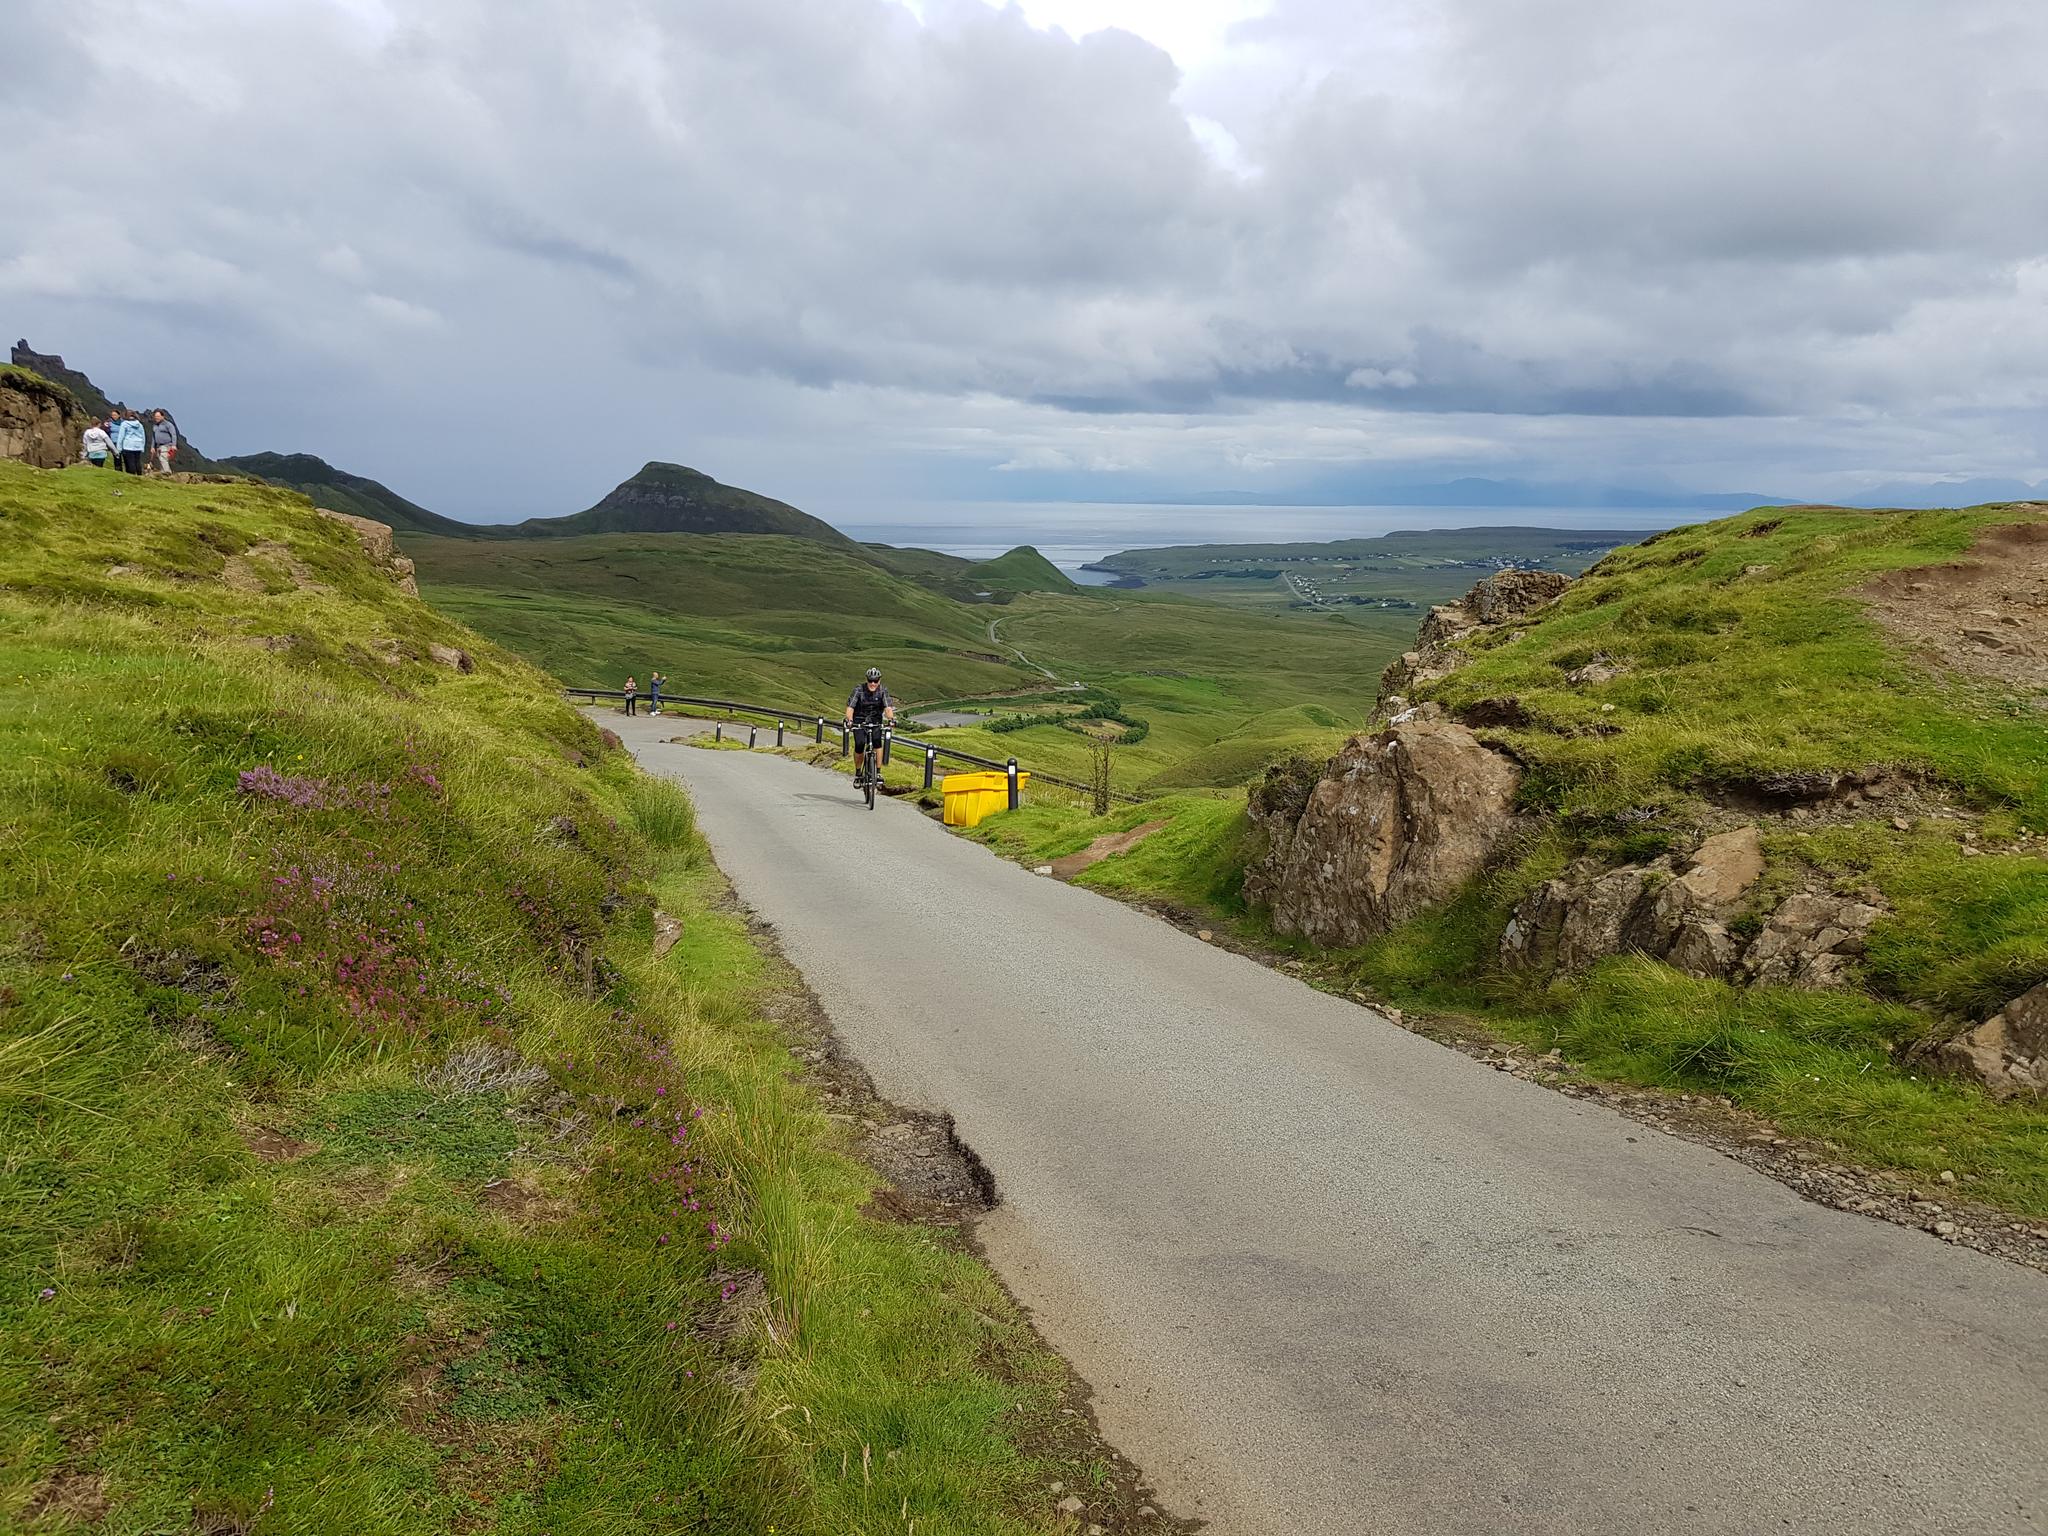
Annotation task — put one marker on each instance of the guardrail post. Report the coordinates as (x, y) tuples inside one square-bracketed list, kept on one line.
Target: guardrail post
[(845, 742), (751, 734), (888, 736), (821, 731), (778, 733), (1012, 771), (931, 763)]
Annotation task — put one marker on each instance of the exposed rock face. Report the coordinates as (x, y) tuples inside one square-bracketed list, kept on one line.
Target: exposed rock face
[(1503, 596), (2008, 1052), (1677, 910), (39, 422), (1396, 823), (377, 542)]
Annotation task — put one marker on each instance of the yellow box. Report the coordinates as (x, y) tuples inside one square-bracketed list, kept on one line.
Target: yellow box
[(970, 797)]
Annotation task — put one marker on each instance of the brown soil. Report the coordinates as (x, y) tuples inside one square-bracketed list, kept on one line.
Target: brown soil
[(1985, 615), (74, 1498), (1105, 847), (519, 1202), (274, 1146)]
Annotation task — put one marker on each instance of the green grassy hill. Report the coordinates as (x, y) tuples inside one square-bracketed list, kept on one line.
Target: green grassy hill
[(1022, 569), (362, 1165), (343, 492), (669, 498)]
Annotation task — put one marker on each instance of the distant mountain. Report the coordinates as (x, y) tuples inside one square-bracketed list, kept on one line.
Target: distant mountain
[(1341, 491), (669, 498), (1023, 569), (1947, 493), (343, 492)]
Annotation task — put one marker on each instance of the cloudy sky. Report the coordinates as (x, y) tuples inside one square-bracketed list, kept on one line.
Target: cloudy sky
[(872, 254)]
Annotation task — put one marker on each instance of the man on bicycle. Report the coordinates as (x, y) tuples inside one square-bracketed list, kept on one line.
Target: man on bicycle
[(867, 711)]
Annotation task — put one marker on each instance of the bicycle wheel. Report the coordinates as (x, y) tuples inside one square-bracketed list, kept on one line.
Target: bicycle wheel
[(874, 773)]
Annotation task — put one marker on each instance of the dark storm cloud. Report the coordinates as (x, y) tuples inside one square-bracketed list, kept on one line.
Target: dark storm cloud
[(1607, 209)]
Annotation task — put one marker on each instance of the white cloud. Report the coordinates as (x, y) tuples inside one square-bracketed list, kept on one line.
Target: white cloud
[(1759, 244)]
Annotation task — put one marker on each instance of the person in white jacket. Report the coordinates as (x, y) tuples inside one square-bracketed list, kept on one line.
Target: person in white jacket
[(96, 446)]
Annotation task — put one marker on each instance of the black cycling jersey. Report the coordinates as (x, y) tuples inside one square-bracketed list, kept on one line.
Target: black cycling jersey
[(867, 707)]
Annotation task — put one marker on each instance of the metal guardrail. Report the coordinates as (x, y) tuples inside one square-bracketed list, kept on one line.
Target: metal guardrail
[(932, 750)]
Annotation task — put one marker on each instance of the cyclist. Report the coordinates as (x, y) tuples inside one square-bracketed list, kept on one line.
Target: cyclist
[(868, 708)]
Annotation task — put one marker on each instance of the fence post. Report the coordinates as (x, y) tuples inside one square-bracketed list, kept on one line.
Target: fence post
[(1013, 783), (931, 760), (778, 733), (888, 736), (750, 737)]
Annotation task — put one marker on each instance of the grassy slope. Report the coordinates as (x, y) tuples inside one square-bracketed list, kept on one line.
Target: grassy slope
[(1022, 569), (1737, 674), (257, 1271), (790, 621), (344, 492)]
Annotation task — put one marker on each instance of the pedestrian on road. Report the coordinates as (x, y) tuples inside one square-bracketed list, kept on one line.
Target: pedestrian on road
[(96, 446), (163, 442), (654, 682), (130, 440), (632, 694)]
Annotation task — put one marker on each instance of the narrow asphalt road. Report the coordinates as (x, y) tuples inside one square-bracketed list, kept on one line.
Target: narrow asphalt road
[(1327, 1276)]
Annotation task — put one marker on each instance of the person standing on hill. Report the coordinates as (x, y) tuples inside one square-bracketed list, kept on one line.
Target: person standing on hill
[(131, 441), (632, 694), (95, 446), (163, 442)]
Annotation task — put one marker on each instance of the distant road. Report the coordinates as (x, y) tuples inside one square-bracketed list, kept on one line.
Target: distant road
[(1328, 1277)]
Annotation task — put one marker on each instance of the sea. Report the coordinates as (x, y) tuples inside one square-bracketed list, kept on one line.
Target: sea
[(1073, 534)]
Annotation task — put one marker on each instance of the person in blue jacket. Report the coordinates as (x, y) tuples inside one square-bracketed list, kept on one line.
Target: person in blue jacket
[(132, 443)]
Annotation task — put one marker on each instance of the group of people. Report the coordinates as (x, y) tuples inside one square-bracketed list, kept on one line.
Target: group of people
[(129, 444), (655, 683)]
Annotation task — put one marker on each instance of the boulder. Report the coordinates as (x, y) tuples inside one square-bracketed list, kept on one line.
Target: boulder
[(1398, 822), (1500, 597), (40, 423), (2008, 1052), (1810, 941), (380, 545), (1672, 909)]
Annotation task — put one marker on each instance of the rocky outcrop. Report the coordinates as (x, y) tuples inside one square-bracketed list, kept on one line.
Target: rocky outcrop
[(1397, 822), (1680, 910), (2008, 1052), (1499, 598), (378, 544), (39, 421)]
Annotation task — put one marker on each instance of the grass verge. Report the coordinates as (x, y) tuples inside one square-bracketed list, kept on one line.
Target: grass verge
[(362, 1165)]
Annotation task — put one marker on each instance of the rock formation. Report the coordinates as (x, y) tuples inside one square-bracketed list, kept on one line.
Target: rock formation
[(378, 544), (2008, 1052), (39, 421), (1499, 598), (1680, 910), (1397, 822)]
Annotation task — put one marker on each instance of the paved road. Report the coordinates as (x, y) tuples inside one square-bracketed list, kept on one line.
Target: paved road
[(1329, 1277)]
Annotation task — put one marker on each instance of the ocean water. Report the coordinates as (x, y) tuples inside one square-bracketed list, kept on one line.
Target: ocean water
[(1071, 534)]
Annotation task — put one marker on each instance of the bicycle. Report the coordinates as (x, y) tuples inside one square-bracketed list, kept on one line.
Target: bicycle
[(867, 759)]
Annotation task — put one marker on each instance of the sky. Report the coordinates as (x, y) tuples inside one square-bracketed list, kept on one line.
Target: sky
[(877, 255)]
